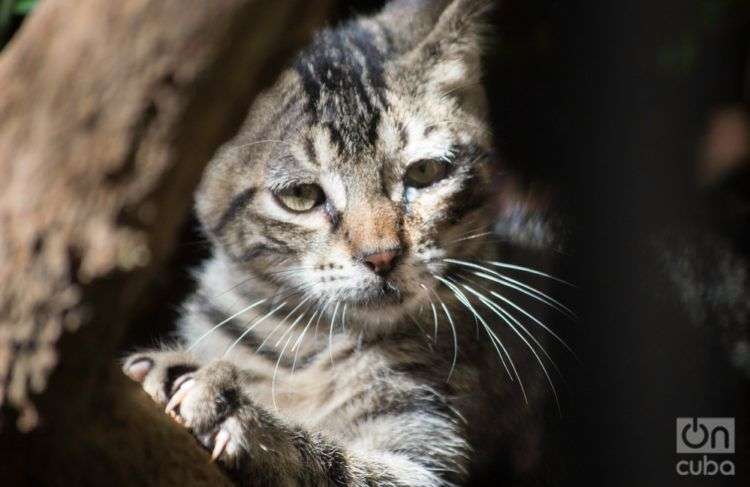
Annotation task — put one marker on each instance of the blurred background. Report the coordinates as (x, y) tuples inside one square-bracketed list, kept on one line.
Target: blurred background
[(628, 124)]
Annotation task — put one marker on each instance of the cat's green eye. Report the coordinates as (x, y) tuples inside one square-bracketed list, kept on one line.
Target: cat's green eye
[(301, 198), (425, 172)]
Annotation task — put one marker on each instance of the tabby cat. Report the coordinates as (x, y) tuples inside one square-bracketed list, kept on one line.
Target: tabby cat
[(355, 325)]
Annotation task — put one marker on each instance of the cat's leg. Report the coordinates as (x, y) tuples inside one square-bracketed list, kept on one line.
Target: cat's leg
[(399, 447)]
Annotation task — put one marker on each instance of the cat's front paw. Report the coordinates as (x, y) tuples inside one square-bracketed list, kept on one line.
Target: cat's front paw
[(202, 398), (207, 402)]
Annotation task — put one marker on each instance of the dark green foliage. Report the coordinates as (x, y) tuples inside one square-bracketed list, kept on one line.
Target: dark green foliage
[(12, 13)]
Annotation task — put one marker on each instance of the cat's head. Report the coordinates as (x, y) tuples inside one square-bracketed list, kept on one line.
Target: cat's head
[(364, 167)]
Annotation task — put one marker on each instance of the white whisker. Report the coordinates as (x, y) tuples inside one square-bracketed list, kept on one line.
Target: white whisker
[(455, 338), (416, 323), (250, 328), (216, 327), (537, 321), (471, 237), (531, 271), (518, 286), (256, 142), (275, 371), (510, 320), (295, 348), (435, 319), (322, 312), (493, 338), (509, 281), (533, 293), (281, 322), (434, 312), (330, 331), (290, 328)]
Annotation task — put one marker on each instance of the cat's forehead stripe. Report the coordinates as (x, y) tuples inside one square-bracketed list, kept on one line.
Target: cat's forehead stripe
[(343, 80), (310, 151), (324, 148)]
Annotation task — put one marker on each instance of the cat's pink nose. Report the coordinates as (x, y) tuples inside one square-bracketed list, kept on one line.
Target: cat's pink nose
[(381, 263)]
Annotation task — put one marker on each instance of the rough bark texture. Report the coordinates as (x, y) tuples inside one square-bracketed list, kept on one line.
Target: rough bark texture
[(108, 113)]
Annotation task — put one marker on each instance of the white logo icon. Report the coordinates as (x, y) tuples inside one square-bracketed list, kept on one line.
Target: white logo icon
[(705, 435)]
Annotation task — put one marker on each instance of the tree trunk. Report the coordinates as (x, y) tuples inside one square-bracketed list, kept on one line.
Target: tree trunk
[(108, 113)]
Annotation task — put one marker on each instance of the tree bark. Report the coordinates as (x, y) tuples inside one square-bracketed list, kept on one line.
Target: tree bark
[(108, 113)]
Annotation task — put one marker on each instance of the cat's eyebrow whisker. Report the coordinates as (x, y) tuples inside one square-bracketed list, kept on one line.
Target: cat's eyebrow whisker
[(518, 286), (251, 327), (530, 271), (510, 320), (219, 325)]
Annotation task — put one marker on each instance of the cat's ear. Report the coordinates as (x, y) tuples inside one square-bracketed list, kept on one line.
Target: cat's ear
[(409, 21), (449, 54)]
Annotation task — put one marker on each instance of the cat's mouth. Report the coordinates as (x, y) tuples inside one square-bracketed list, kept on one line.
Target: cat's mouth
[(383, 296)]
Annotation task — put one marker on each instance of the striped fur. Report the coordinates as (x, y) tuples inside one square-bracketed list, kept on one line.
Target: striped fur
[(320, 371)]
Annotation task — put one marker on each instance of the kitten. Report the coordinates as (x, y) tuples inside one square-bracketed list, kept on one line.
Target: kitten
[(349, 328)]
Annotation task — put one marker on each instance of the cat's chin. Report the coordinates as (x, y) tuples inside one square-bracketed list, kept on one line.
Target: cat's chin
[(385, 297), (375, 319), (385, 310)]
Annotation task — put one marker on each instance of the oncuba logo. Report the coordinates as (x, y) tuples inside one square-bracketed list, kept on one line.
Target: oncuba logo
[(714, 438)]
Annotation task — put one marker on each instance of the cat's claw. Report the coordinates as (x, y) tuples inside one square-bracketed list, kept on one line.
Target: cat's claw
[(222, 437), (220, 443), (178, 396)]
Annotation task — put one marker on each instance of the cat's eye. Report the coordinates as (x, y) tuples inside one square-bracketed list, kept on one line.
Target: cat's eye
[(301, 198), (425, 172)]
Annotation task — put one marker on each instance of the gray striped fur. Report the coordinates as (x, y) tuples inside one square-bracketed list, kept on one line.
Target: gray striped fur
[(361, 390)]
